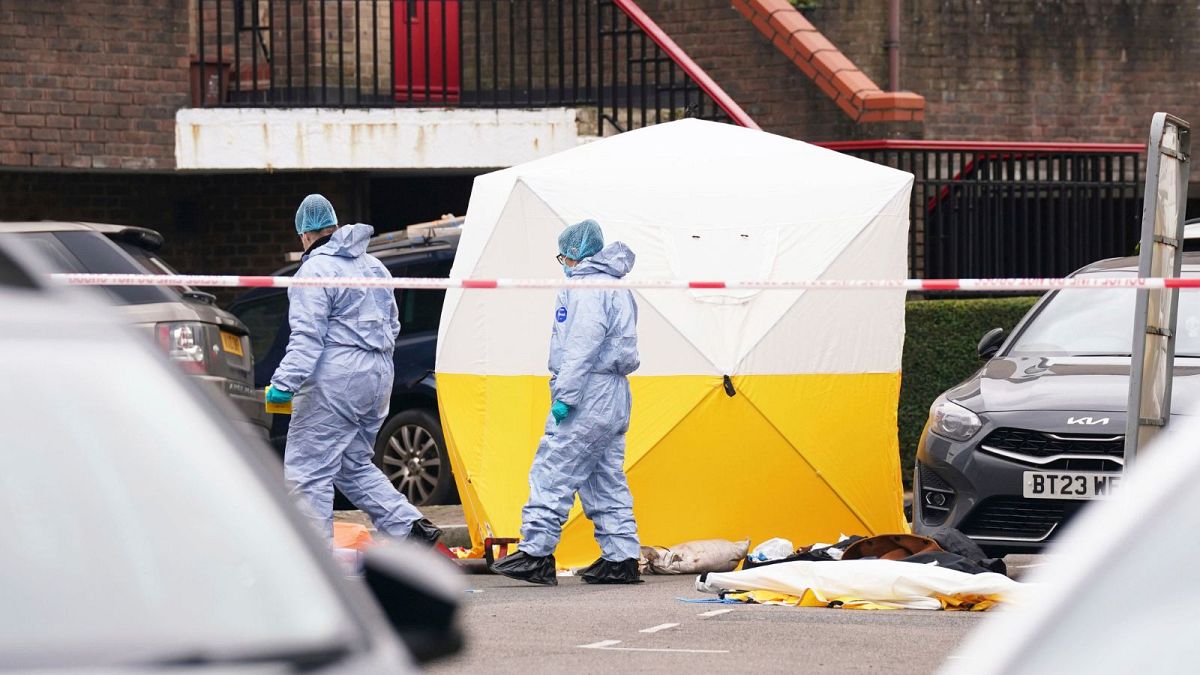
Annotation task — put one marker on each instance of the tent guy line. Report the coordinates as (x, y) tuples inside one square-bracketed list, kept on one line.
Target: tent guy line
[(417, 283)]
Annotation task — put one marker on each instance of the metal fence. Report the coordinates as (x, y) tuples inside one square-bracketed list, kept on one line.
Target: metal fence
[(603, 56), (1014, 209)]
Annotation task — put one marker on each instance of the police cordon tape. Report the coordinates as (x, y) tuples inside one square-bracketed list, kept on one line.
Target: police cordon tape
[(416, 283)]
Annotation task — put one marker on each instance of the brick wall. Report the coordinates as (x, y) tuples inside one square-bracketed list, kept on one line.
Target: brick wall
[(94, 84), (772, 90), (227, 223), (213, 224), (1084, 70), (1072, 70), (91, 83)]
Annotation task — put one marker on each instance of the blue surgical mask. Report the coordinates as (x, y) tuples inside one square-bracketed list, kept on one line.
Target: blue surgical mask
[(566, 270)]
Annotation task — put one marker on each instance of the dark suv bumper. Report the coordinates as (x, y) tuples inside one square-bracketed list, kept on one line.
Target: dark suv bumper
[(976, 486)]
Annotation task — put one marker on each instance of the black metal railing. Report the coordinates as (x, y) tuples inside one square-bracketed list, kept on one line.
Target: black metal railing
[(602, 56), (1014, 209)]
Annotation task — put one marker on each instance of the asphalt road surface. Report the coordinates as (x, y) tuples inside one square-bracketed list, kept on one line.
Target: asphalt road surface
[(513, 627)]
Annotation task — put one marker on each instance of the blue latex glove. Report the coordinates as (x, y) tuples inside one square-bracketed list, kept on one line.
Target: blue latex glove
[(278, 395), (559, 410)]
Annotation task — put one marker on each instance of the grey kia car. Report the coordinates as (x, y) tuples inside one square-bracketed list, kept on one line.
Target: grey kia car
[(1015, 451)]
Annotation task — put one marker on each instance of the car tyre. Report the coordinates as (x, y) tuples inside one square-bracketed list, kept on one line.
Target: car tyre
[(411, 451)]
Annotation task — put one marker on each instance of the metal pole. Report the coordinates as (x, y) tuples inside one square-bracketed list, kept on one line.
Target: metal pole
[(410, 10), (1152, 361), (324, 53), (307, 49), (254, 50), (893, 45), (445, 72), (202, 85), (287, 32), (375, 52), (529, 54), (341, 52), (357, 24)]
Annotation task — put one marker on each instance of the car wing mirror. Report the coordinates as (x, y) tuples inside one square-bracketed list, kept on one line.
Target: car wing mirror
[(990, 343), (419, 592)]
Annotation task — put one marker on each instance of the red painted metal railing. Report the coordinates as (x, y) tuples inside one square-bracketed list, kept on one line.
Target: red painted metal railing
[(998, 146)]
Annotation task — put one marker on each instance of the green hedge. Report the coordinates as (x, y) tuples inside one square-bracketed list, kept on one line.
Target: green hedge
[(939, 352)]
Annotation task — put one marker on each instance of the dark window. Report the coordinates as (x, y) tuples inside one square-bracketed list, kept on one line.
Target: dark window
[(149, 261), (1078, 322), (14, 275), (93, 253), (263, 318), (152, 264), (53, 253), (421, 310)]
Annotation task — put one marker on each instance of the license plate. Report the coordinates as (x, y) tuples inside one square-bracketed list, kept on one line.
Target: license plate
[(1070, 485), (232, 344)]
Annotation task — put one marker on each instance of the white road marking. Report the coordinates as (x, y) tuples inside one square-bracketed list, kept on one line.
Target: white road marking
[(600, 645), (717, 612), (607, 645), (661, 626), (676, 651)]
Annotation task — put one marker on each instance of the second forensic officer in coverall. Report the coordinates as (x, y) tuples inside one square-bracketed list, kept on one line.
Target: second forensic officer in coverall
[(593, 348), (339, 367)]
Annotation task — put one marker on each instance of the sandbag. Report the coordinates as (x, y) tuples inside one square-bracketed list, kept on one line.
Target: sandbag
[(694, 557)]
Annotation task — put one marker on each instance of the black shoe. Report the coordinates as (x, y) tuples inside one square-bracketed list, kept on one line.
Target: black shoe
[(425, 533), (606, 572), (525, 567)]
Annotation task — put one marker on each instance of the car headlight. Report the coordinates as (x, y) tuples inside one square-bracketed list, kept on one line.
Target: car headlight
[(953, 421)]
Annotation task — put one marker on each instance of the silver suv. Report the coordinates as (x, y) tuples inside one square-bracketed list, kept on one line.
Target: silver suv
[(207, 342)]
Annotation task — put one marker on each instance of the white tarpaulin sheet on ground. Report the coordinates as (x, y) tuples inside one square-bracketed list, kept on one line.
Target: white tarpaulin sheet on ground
[(894, 583)]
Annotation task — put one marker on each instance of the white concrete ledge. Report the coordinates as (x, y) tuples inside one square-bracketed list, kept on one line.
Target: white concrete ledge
[(377, 138)]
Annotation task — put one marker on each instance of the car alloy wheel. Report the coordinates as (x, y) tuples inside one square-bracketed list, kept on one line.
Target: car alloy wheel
[(411, 452), (412, 462)]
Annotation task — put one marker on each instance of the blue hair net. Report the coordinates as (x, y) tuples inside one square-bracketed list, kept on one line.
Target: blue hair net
[(581, 240), (315, 213)]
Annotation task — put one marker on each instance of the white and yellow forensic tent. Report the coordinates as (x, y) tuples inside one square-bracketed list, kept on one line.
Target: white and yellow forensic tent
[(755, 413)]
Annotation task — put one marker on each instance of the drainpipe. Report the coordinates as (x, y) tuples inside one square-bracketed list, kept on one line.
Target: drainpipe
[(893, 45)]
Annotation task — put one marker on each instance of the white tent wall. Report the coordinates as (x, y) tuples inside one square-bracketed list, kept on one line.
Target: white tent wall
[(690, 219), (490, 194), (846, 331), (506, 331), (804, 445), (696, 176)]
